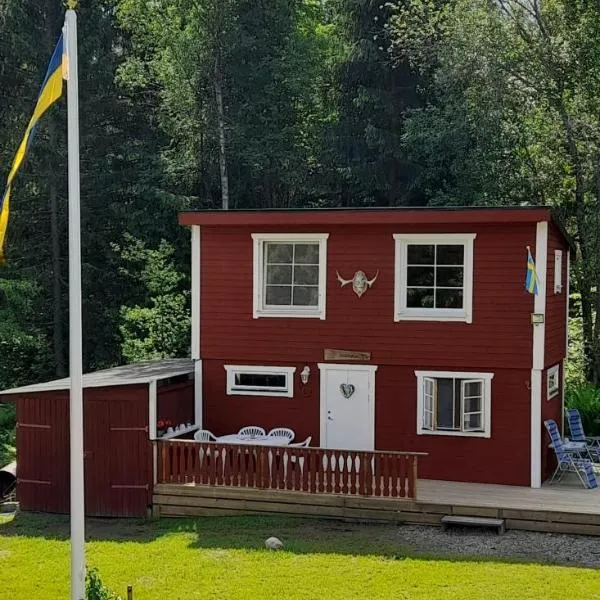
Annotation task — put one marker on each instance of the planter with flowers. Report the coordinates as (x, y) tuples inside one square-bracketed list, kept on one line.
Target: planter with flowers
[(162, 426)]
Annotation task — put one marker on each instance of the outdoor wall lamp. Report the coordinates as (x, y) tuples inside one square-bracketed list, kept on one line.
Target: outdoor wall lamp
[(305, 374)]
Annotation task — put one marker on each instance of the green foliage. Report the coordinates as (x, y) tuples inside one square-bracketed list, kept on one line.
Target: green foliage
[(95, 589), (586, 398), (159, 329), (7, 433)]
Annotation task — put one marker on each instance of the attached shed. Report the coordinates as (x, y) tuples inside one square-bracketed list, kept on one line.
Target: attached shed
[(121, 409)]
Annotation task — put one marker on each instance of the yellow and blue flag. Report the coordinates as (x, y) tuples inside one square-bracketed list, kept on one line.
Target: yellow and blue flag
[(50, 92), (531, 279)]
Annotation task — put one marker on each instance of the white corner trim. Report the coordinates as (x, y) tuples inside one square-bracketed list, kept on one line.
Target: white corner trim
[(324, 369), (404, 313), (195, 299), (538, 354), (487, 402), (232, 370), (294, 312), (567, 298), (198, 397), (152, 424)]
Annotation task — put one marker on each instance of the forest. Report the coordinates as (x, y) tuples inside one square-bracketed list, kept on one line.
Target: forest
[(190, 104)]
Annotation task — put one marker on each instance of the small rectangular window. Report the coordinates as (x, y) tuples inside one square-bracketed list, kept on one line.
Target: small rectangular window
[(558, 271), (553, 381), (260, 381)]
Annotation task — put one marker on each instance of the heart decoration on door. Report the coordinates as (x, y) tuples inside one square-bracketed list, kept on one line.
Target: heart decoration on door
[(347, 389)]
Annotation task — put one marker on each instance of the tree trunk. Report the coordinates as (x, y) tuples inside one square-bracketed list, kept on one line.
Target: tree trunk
[(57, 312), (221, 128)]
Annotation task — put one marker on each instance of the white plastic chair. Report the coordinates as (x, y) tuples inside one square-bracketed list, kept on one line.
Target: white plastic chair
[(282, 432), (303, 444), (252, 430), (204, 435)]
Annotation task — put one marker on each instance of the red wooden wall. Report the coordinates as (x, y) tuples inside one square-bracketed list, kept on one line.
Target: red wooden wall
[(175, 402), (503, 458), (118, 454), (500, 335), (499, 340)]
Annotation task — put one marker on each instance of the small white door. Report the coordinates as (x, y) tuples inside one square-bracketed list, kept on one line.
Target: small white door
[(347, 406)]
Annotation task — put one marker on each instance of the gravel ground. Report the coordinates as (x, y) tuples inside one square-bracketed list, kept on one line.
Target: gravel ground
[(571, 550)]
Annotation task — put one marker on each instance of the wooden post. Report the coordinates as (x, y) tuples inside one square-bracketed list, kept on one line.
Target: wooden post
[(129, 592), (414, 477)]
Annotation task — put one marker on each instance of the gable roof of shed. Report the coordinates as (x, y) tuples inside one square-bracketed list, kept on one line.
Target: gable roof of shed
[(143, 372)]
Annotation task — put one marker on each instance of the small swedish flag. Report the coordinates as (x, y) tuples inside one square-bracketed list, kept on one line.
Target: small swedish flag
[(531, 279)]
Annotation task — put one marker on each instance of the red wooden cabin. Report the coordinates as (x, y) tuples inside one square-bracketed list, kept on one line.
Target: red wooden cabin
[(386, 329)]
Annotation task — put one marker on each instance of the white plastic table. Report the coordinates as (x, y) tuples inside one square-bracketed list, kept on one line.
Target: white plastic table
[(258, 440)]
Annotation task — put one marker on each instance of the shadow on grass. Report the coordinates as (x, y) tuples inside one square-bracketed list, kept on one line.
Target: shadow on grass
[(248, 533)]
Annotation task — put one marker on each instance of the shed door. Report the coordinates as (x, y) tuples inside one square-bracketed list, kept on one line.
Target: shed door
[(43, 453), (118, 457)]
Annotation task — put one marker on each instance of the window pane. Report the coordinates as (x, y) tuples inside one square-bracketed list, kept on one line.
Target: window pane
[(306, 296), (449, 276), (259, 380), (279, 253), (279, 274), (419, 298), (306, 254), (419, 276), (473, 422), (472, 404), (445, 415), (473, 388), (306, 275), (420, 254), (278, 295), (450, 254), (449, 298)]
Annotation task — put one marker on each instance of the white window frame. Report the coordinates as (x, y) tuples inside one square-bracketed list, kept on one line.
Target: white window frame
[(553, 374), (405, 313), (259, 309), (485, 378), (286, 392), (558, 255)]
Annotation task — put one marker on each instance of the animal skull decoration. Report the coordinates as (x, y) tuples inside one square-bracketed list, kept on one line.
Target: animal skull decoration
[(360, 283)]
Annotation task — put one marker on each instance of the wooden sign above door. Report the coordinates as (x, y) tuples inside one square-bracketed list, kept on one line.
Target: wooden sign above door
[(330, 354)]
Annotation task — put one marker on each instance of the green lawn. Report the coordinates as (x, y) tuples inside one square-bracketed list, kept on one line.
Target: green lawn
[(224, 558)]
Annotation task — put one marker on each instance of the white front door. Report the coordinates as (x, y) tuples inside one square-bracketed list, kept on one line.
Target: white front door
[(348, 406)]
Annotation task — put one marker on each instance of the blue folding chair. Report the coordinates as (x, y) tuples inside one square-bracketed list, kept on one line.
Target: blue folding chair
[(569, 459), (592, 443)]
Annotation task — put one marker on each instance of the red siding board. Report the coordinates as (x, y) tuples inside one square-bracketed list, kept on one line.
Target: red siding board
[(175, 402)]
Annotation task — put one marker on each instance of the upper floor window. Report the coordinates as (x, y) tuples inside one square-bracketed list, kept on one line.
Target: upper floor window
[(450, 403), (434, 277), (289, 274)]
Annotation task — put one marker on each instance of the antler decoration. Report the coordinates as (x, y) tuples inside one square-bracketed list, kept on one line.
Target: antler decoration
[(360, 283)]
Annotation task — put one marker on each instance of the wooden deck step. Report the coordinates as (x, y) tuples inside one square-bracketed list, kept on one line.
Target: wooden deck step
[(498, 524)]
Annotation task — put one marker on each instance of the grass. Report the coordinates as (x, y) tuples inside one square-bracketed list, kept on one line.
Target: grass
[(224, 558)]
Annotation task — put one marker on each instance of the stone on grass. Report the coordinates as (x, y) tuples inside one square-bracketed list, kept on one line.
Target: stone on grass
[(274, 543)]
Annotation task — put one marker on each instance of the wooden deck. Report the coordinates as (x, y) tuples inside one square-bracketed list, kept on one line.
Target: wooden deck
[(562, 508)]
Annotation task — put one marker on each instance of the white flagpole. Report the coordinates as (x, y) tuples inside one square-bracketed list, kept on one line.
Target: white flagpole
[(75, 351)]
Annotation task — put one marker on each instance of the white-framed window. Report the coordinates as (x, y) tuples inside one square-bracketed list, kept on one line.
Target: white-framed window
[(289, 274), (558, 271), (434, 277), (454, 403), (553, 382), (248, 380)]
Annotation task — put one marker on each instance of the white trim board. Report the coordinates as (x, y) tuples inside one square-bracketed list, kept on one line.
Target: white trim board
[(323, 369), (195, 292), (537, 359)]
